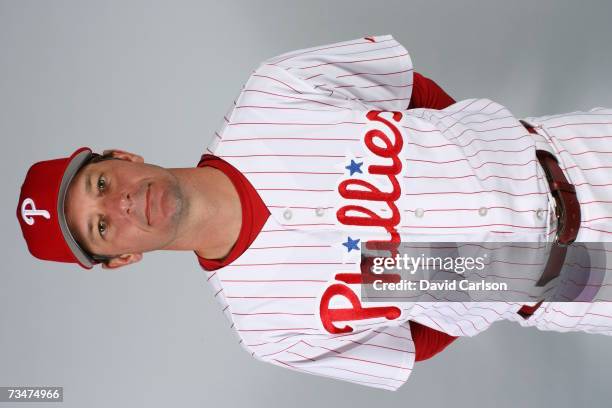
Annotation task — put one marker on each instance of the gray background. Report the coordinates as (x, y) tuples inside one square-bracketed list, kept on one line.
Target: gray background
[(156, 78)]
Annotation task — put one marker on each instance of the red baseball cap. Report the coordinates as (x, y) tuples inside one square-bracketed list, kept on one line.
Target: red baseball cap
[(41, 210)]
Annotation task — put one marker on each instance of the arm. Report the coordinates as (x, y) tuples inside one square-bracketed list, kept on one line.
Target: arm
[(374, 70), (427, 94)]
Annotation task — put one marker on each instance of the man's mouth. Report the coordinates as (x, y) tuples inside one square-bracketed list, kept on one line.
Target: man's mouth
[(148, 204)]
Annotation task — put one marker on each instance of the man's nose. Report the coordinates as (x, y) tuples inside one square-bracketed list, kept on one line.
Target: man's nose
[(120, 203)]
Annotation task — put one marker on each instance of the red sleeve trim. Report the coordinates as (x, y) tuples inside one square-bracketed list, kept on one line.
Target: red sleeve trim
[(427, 341), (427, 94)]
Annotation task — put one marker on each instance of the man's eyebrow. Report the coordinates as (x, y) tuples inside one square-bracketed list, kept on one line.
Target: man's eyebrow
[(88, 184), (90, 235)]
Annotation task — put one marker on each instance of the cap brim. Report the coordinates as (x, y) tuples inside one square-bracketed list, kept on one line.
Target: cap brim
[(78, 158)]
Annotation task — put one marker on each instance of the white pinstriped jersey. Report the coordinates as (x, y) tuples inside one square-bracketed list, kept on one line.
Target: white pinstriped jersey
[(324, 137)]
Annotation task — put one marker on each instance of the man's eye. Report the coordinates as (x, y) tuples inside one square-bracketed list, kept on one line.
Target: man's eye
[(102, 227), (101, 183)]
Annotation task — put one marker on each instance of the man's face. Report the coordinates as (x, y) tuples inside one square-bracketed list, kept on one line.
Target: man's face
[(123, 206)]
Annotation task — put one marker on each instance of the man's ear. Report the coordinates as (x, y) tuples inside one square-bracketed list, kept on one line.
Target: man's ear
[(122, 260), (123, 155)]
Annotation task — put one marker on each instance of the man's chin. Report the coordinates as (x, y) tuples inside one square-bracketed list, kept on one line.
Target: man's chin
[(172, 220), (171, 204)]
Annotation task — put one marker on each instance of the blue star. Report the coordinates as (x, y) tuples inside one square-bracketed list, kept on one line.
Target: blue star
[(354, 167), (351, 244)]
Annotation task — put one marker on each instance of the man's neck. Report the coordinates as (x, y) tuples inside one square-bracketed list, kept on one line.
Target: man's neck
[(213, 216)]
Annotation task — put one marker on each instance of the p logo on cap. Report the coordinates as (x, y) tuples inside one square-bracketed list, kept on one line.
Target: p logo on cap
[(29, 210)]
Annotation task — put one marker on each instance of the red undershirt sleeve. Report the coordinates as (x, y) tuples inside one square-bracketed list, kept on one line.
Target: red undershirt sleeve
[(427, 94), (428, 342)]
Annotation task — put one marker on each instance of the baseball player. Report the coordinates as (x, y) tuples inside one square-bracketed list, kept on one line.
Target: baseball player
[(317, 155)]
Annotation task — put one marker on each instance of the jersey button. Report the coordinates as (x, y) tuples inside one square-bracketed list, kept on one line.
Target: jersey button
[(320, 212), (540, 213), (419, 212), (287, 214), (482, 211)]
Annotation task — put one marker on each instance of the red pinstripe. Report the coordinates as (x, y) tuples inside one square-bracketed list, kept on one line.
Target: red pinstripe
[(281, 108), (295, 123), (374, 73), (297, 189), (292, 247), (463, 122), (353, 62), (371, 50), (316, 373), (328, 48), (277, 80), (295, 263), (319, 139), (308, 225), (584, 152), (474, 167), (580, 316), (375, 345), (285, 155), (392, 335), (550, 321), (584, 137), (296, 98), (587, 168), (272, 280), (298, 207), (280, 351), (313, 76), (310, 173), (270, 297), (473, 209), (471, 175), (580, 124), (280, 329), (464, 314), (385, 86), (485, 130), (470, 226), (595, 229), (368, 361), (383, 100), (299, 355), (273, 313), (477, 192)]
